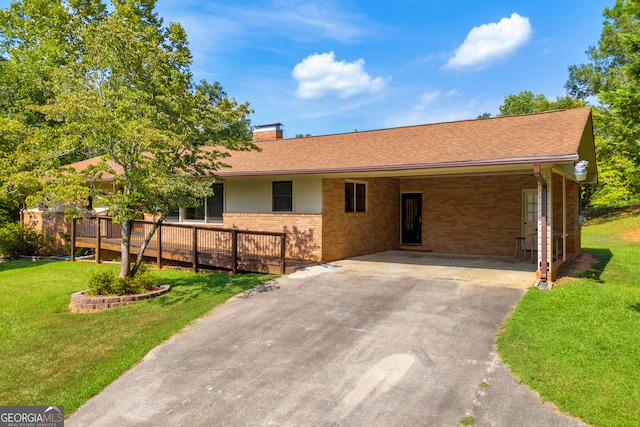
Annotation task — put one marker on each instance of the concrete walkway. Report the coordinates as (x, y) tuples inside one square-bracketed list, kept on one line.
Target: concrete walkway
[(394, 339)]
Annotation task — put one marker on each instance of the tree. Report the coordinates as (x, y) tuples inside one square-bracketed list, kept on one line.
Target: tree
[(35, 39), (613, 75), (617, 167), (527, 103), (129, 95)]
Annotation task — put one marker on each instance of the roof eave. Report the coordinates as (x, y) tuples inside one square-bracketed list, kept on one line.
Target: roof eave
[(420, 166)]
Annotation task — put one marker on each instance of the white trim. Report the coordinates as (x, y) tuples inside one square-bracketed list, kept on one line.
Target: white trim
[(564, 218), (524, 211), (206, 220)]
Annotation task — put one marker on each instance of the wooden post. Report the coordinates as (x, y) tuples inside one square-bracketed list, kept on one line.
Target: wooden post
[(195, 249), (234, 251), (98, 240), (73, 239), (159, 239), (283, 249)]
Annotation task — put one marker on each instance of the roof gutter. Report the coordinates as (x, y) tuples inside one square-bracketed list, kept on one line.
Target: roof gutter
[(567, 158), (229, 172), (544, 267)]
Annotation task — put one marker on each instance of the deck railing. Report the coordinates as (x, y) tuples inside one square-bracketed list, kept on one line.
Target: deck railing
[(220, 247)]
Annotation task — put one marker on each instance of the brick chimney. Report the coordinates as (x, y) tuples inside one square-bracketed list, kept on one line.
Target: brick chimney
[(265, 132)]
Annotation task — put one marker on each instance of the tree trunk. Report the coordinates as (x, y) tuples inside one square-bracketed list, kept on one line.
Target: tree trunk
[(125, 248), (144, 245)]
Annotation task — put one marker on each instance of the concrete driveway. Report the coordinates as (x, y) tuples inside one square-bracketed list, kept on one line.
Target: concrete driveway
[(392, 339)]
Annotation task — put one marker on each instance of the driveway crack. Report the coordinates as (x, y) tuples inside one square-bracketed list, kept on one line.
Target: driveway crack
[(494, 363)]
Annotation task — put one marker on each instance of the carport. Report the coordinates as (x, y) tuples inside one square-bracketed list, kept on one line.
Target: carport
[(524, 207), (489, 185), (475, 270)]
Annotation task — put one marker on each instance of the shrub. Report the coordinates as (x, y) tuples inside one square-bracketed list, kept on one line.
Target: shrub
[(144, 278), (18, 239), (8, 211), (101, 283), (106, 283), (126, 286)]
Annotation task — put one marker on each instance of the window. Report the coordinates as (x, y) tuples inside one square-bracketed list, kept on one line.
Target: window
[(215, 203), (361, 197), (282, 196), (209, 210), (349, 197), (355, 197), (173, 216), (194, 213)]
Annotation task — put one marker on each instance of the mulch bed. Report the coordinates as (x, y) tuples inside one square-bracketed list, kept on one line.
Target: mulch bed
[(577, 268)]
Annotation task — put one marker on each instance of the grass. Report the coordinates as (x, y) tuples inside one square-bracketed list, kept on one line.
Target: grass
[(578, 345), (466, 421), (50, 356), (597, 203)]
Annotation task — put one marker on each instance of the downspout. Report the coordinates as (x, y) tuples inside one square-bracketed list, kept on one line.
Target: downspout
[(543, 211)]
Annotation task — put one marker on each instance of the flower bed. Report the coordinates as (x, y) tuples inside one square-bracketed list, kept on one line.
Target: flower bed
[(81, 303)]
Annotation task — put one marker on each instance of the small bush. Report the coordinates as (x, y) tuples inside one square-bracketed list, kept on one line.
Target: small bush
[(106, 283), (101, 283), (127, 286), (18, 239), (144, 278)]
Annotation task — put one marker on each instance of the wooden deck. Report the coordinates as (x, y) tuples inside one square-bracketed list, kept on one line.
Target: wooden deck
[(193, 245)]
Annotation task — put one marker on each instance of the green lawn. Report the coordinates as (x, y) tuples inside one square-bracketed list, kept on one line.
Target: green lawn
[(50, 356), (578, 345)]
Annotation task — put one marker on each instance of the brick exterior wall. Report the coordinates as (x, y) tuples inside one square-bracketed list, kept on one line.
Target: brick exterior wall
[(348, 234), (49, 223), (267, 135), (304, 231), (475, 215)]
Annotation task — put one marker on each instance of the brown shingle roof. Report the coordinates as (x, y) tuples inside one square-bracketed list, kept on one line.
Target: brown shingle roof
[(550, 136)]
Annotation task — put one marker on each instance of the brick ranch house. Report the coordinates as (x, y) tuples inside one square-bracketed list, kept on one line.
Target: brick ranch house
[(466, 187)]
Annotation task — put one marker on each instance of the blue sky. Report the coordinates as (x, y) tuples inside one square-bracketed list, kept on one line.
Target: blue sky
[(330, 66)]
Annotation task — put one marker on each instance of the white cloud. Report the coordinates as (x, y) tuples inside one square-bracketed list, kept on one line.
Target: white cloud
[(491, 42), (433, 99), (435, 106), (319, 75), (226, 25), (306, 19), (432, 57), (429, 97)]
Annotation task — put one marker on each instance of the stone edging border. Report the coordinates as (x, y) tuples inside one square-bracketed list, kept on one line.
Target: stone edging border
[(81, 303)]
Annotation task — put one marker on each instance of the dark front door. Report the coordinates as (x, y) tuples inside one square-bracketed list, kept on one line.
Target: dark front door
[(412, 218)]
